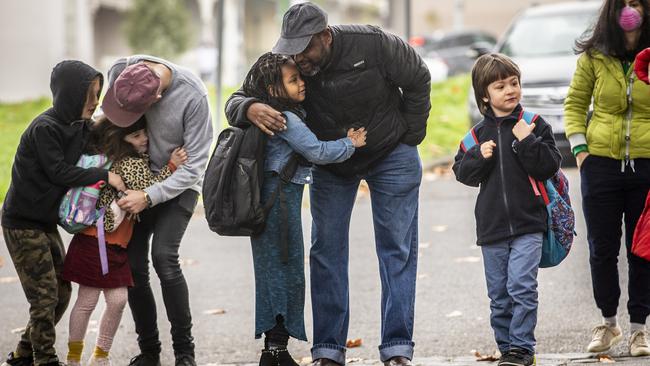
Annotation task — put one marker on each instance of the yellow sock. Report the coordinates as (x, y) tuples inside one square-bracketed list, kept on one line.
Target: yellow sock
[(100, 353), (74, 350)]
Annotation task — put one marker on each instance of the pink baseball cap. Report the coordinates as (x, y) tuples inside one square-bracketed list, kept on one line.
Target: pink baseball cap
[(132, 93)]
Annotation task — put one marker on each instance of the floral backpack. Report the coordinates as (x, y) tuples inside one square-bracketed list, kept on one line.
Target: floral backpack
[(555, 193), (78, 208)]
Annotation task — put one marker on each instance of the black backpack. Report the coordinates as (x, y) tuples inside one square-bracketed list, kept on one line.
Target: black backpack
[(233, 182)]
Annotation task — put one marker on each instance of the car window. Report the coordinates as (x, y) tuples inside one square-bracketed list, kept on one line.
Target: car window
[(549, 35)]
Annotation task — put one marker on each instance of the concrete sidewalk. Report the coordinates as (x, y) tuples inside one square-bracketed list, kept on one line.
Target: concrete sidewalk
[(553, 359)]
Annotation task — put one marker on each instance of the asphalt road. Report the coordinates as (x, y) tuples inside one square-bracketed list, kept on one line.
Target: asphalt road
[(452, 310)]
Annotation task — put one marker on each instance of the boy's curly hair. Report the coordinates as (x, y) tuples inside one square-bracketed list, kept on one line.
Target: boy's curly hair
[(264, 82)]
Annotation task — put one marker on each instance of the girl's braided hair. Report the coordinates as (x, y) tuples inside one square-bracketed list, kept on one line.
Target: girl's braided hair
[(265, 74)]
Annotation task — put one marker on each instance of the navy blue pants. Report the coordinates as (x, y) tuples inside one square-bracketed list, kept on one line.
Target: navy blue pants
[(610, 197)]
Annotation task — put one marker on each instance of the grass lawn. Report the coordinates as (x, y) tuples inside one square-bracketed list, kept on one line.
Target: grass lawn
[(447, 123)]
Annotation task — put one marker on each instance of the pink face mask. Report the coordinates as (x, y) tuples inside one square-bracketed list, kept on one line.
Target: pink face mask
[(629, 19)]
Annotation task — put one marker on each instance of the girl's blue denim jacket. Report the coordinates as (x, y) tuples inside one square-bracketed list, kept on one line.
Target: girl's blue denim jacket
[(299, 138)]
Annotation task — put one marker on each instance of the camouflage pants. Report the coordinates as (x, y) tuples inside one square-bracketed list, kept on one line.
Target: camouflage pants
[(38, 258)]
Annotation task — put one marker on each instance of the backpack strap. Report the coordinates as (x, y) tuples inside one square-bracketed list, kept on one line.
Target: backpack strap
[(538, 187), (469, 140), (527, 116)]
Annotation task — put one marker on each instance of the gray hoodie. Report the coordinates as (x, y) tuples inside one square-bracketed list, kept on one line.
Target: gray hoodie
[(180, 118)]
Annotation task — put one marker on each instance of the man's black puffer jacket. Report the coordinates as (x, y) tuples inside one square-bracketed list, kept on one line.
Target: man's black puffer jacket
[(373, 80)]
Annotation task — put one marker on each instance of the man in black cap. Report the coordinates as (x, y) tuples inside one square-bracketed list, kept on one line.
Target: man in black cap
[(356, 76)]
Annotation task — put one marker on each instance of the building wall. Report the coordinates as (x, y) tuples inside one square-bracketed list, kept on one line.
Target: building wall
[(30, 47)]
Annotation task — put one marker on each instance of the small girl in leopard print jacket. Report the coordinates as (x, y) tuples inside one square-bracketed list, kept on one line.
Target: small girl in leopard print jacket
[(126, 148)]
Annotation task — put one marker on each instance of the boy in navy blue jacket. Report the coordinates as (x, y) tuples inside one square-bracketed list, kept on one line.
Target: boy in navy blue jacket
[(510, 214)]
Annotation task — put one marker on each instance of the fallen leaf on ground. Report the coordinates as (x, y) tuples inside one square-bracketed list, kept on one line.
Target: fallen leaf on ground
[(352, 343), (17, 330), (353, 360), (214, 312), (8, 279), (424, 245), (454, 314), (439, 228), (188, 262), (2, 262), (605, 359), (480, 357)]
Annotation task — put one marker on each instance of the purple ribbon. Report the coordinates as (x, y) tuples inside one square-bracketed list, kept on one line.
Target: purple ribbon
[(103, 258)]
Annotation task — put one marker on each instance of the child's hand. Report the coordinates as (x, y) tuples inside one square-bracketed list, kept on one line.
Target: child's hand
[(487, 149), (358, 137), (116, 182), (522, 129), (178, 157)]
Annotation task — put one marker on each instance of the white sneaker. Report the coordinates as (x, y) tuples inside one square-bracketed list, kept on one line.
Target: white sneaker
[(99, 361), (605, 337), (639, 344)]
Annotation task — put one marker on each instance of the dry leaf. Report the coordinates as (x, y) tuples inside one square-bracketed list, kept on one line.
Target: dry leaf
[(214, 312), (491, 358), (188, 262), (352, 343), (454, 314), (439, 228), (18, 330), (605, 358), (8, 279), (353, 360)]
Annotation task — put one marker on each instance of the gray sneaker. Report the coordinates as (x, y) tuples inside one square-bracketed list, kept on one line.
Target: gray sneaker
[(605, 337), (639, 344)]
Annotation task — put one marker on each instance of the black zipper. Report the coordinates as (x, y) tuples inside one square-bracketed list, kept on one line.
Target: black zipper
[(503, 179)]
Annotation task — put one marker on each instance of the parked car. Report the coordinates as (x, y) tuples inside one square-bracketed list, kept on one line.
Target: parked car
[(541, 40), (457, 48)]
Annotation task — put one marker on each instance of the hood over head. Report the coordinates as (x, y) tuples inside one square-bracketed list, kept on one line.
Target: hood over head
[(69, 83)]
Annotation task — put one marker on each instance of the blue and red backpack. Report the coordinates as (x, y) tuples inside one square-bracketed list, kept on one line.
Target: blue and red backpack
[(555, 193)]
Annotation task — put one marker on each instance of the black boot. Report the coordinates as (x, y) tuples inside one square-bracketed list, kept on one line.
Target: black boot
[(268, 358), (284, 358)]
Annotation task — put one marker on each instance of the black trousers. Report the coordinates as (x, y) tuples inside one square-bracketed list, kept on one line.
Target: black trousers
[(609, 198), (163, 227)]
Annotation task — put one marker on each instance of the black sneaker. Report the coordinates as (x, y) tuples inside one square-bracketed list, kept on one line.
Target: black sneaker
[(145, 359), (18, 361), (517, 357), (185, 360)]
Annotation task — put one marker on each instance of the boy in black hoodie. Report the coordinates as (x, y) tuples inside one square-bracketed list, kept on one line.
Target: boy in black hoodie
[(44, 168), (510, 216)]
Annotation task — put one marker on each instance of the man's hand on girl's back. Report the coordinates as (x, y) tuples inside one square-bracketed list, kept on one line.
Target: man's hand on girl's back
[(133, 201), (266, 118)]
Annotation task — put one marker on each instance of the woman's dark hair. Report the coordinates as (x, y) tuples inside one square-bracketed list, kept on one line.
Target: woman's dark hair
[(267, 72), (607, 36), (108, 138)]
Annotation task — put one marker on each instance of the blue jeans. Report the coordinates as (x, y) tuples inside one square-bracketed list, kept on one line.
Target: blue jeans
[(394, 186), (511, 275)]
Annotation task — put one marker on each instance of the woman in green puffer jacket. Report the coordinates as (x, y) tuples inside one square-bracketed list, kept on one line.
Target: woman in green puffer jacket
[(613, 154)]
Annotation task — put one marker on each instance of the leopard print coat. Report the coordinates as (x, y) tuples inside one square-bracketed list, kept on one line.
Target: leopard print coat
[(136, 175)]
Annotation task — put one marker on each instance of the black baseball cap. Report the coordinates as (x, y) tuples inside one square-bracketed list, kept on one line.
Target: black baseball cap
[(299, 24)]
